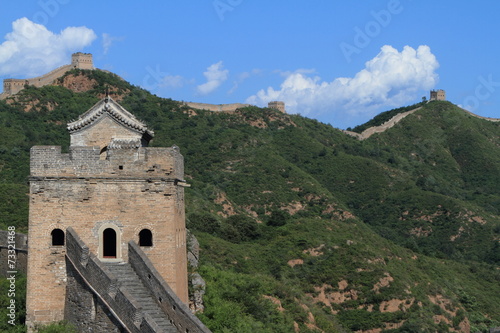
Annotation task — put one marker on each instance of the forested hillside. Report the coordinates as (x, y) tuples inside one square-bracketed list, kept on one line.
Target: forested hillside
[(302, 227)]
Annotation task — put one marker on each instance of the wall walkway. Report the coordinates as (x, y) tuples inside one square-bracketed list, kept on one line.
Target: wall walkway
[(396, 119), (126, 309)]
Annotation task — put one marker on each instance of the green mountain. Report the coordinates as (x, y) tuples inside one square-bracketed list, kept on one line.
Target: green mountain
[(301, 226)]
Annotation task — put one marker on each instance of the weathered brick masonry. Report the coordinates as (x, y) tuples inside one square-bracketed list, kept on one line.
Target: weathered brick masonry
[(110, 188)]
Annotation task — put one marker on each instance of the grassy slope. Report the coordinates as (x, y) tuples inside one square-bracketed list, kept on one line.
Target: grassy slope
[(416, 185)]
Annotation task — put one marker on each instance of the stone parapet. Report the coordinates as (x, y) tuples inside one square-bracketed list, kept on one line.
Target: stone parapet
[(105, 286), (173, 307), (216, 107), (90, 276), (82, 162)]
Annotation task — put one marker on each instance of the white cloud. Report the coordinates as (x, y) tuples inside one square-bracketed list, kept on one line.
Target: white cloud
[(31, 50), (108, 40), (390, 79), (215, 76)]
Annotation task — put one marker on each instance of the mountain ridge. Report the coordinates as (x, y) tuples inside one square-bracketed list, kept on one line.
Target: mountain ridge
[(303, 227)]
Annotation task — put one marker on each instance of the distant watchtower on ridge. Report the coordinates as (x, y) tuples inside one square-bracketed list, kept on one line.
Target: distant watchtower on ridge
[(82, 60), (438, 95), (278, 105)]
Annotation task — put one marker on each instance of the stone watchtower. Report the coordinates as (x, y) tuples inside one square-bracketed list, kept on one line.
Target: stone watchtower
[(278, 105), (111, 188), (438, 95), (82, 60)]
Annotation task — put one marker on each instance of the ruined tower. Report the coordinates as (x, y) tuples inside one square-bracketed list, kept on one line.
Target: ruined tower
[(278, 105), (110, 188), (438, 95)]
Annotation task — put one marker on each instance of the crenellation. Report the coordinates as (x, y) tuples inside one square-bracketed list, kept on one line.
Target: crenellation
[(48, 161)]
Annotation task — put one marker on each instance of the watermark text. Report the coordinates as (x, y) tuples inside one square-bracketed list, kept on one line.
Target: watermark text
[(223, 6), (483, 91), (11, 274), (363, 36)]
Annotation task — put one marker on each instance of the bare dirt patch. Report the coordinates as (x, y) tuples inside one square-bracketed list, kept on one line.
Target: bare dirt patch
[(395, 305), (383, 282), (315, 251), (275, 301), (444, 303), (295, 262), (227, 207), (343, 284), (293, 207), (79, 83), (421, 231)]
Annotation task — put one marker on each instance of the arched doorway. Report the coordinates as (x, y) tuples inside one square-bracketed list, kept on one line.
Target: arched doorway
[(109, 243)]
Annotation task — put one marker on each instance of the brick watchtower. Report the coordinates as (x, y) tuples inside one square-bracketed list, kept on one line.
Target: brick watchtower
[(82, 60), (110, 188), (438, 95), (278, 105)]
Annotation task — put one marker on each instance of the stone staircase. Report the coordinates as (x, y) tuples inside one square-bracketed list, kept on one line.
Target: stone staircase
[(131, 296), (129, 280)]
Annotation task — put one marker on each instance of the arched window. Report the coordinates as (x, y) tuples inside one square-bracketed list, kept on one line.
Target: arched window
[(109, 243), (57, 237), (145, 238), (103, 153)]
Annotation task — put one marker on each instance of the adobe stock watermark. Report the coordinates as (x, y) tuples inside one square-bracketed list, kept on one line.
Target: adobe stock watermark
[(154, 78), (49, 9), (223, 6), (483, 91), (11, 275), (363, 36)]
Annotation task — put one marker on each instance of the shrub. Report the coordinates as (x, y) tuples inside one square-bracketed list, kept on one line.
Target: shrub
[(204, 222), (61, 327)]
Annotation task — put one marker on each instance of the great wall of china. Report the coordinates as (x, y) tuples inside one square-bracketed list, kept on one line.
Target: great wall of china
[(216, 107), (396, 119), (435, 95), (85, 61), (382, 128), (78, 60)]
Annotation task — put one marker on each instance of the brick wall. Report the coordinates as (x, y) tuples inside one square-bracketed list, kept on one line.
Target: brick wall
[(97, 303), (168, 301), (131, 190), (216, 107)]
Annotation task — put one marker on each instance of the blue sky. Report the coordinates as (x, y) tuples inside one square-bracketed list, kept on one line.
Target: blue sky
[(341, 62)]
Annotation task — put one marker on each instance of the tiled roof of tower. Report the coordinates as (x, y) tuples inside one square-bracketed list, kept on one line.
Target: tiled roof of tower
[(108, 107)]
